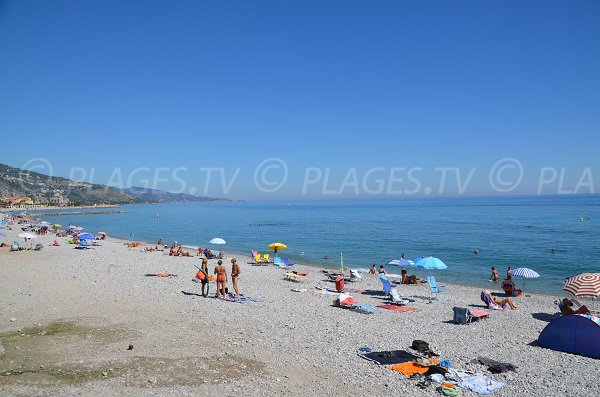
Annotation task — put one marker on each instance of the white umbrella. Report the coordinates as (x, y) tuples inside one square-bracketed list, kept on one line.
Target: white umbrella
[(217, 240), (524, 273), (27, 235)]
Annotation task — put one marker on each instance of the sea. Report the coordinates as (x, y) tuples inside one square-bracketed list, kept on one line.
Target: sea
[(556, 236)]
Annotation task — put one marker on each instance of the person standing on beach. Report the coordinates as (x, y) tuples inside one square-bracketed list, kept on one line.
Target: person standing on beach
[(204, 281), (221, 273), (235, 275), (509, 271)]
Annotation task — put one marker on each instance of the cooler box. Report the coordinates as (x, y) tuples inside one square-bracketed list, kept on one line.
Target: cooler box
[(339, 284)]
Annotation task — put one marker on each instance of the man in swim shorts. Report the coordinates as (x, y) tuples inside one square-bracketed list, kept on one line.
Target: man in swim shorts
[(235, 275), (221, 273)]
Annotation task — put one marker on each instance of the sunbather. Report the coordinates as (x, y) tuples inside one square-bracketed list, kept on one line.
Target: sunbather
[(406, 279), (490, 301), (567, 309)]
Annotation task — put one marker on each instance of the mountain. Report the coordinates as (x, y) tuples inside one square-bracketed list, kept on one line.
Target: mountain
[(23, 186), (161, 196)]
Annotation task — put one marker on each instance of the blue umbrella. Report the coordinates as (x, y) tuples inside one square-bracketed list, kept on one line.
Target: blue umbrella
[(84, 243), (431, 263), (86, 236), (401, 262)]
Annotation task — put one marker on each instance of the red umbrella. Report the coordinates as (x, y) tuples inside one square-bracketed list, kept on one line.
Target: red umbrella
[(586, 284)]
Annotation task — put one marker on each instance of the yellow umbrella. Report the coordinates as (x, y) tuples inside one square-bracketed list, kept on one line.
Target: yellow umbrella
[(57, 225), (277, 247)]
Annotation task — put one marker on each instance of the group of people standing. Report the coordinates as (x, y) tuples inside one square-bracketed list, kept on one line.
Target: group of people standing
[(220, 272)]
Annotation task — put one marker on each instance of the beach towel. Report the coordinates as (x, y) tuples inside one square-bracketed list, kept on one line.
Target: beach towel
[(397, 308), (390, 357), (481, 384), (242, 299), (411, 367), (160, 275)]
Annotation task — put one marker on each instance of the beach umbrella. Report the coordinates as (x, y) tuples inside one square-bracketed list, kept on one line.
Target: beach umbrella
[(57, 225), (86, 236), (584, 285), (27, 235), (277, 247), (401, 262), (524, 273), (431, 263), (78, 228), (102, 233), (217, 240)]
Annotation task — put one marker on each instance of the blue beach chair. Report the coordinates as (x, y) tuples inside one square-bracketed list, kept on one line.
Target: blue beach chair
[(435, 289)]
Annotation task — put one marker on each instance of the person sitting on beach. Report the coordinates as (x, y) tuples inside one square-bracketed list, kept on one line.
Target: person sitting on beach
[(220, 256), (235, 275), (493, 303), (55, 244), (173, 251), (221, 273), (208, 254), (566, 308), (494, 277), (373, 269), (406, 279), (382, 270), (509, 287)]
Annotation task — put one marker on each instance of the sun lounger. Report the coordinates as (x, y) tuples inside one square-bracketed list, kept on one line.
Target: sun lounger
[(288, 262), (463, 315), (347, 302)]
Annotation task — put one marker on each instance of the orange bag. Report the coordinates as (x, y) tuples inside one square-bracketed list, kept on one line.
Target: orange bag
[(200, 275)]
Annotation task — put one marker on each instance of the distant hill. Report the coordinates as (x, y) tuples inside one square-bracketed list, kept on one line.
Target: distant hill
[(161, 196), (51, 190)]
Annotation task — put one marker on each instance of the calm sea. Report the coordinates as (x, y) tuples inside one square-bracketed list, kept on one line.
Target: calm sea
[(516, 232)]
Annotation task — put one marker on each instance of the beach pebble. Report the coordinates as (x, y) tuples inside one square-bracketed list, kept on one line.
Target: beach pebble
[(12, 320)]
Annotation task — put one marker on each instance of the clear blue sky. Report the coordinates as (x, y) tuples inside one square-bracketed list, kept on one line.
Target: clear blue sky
[(129, 84)]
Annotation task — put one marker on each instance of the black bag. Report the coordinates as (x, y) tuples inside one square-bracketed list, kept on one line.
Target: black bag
[(420, 345)]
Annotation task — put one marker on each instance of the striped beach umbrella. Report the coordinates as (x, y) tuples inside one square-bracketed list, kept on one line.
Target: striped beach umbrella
[(586, 284), (524, 273), (401, 262)]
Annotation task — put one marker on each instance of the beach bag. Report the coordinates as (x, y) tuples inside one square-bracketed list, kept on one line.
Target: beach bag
[(420, 346), (200, 275)]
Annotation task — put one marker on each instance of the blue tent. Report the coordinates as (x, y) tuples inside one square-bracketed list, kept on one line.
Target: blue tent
[(574, 333)]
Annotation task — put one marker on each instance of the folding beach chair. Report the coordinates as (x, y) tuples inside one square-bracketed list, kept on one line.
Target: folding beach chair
[(287, 262), (266, 258), (435, 289), (396, 298), (387, 286)]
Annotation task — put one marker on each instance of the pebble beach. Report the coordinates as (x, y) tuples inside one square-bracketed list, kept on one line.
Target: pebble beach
[(88, 322)]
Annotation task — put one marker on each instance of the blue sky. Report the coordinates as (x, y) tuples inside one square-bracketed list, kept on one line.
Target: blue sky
[(100, 89)]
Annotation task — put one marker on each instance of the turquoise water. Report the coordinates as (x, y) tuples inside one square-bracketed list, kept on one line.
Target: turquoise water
[(517, 232)]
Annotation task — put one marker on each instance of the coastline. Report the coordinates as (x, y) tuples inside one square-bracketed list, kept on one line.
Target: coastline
[(285, 343)]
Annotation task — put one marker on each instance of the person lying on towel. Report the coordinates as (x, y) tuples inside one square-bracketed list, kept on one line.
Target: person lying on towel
[(406, 279)]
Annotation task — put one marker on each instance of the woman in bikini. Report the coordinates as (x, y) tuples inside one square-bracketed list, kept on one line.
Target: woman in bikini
[(221, 273)]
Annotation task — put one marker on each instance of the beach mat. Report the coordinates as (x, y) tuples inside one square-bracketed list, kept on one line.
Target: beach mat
[(397, 308), (410, 368), (390, 357), (160, 275)]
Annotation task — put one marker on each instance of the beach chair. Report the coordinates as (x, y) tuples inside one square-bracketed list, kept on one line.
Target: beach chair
[(287, 262), (461, 315), (266, 258), (355, 275), (258, 258), (253, 254), (387, 286), (15, 246), (396, 298), (278, 262), (38, 247), (435, 289)]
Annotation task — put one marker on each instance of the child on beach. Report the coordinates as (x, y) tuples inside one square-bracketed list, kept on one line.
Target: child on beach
[(235, 275), (221, 273)]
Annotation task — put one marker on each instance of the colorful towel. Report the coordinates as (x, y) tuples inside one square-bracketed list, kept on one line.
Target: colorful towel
[(397, 308), (410, 368)]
